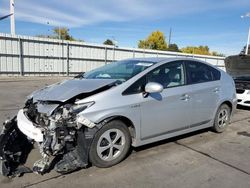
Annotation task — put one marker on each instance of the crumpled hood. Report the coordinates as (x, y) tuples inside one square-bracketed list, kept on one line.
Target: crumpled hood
[(68, 89), (238, 65)]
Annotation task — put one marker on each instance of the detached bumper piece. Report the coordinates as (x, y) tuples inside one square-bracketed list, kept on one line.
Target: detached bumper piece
[(14, 149)]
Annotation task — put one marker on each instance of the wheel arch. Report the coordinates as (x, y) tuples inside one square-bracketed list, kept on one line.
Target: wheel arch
[(126, 121), (228, 103)]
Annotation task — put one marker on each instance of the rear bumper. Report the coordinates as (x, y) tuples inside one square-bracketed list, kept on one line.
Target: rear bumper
[(27, 127)]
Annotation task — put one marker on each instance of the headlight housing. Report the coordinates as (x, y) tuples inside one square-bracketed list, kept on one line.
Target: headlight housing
[(77, 108), (80, 119)]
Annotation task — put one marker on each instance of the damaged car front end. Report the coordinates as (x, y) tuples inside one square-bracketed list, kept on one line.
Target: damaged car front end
[(51, 118)]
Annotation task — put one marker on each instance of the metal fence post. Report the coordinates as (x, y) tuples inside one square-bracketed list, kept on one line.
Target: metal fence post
[(114, 53), (105, 60), (63, 58), (21, 66), (67, 59)]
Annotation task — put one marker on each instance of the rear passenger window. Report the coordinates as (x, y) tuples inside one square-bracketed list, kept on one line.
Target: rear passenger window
[(198, 72)]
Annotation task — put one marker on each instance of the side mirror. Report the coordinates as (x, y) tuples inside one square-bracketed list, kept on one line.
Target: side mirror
[(153, 87)]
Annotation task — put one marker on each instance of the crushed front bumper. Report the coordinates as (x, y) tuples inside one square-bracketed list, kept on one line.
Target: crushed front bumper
[(27, 127), (16, 142)]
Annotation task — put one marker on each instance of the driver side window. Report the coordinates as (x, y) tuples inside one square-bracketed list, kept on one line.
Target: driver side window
[(168, 75)]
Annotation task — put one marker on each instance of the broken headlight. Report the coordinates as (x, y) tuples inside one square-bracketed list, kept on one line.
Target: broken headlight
[(80, 119), (77, 108)]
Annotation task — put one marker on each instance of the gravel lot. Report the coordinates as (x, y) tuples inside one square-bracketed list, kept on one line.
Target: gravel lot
[(201, 159)]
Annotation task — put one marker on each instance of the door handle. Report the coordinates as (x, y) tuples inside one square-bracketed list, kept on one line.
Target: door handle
[(216, 90), (185, 97)]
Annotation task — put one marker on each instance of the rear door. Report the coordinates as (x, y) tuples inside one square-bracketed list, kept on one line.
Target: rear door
[(205, 83)]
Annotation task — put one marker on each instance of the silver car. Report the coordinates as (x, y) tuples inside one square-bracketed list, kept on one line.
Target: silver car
[(97, 116)]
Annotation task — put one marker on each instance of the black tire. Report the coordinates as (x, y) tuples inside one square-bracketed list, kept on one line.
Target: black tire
[(102, 159), (220, 123)]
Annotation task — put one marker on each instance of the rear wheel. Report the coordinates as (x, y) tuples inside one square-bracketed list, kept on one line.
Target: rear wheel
[(222, 118), (110, 145)]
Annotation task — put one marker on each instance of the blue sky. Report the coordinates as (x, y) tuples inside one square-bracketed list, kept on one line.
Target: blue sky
[(215, 23)]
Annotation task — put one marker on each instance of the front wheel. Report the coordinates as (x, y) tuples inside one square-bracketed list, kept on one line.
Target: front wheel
[(222, 118), (110, 144)]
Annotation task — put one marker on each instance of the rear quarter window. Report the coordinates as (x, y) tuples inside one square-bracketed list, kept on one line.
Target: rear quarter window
[(199, 72)]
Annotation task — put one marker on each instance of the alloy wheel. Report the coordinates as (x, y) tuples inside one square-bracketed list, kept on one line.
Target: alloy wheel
[(111, 144)]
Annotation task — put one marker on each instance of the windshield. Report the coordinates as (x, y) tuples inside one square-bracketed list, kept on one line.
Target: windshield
[(121, 70)]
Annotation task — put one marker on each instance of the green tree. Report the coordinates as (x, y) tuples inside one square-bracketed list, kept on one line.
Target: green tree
[(108, 42), (62, 33), (173, 48), (202, 50), (214, 53), (156, 41)]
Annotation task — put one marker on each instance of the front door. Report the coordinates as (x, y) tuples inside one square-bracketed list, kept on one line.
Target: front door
[(168, 111)]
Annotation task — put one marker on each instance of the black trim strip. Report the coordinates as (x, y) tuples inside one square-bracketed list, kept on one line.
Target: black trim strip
[(176, 130)]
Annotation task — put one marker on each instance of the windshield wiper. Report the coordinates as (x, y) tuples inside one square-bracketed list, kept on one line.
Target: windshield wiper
[(81, 75)]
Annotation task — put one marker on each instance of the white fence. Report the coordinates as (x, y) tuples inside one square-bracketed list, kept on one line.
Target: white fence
[(22, 55)]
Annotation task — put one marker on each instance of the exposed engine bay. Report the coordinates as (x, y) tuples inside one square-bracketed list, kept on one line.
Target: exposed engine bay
[(242, 83), (238, 67), (50, 118)]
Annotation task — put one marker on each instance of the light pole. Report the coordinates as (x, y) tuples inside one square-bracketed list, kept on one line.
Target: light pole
[(12, 17), (170, 35), (248, 37)]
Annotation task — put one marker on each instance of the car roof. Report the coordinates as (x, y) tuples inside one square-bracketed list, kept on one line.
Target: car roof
[(168, 59), (160, 59)]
